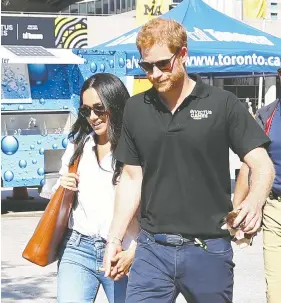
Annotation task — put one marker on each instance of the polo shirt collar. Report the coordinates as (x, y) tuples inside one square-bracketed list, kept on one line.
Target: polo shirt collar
[(201, 90)]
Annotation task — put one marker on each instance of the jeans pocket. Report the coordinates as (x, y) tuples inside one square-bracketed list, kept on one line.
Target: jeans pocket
[(144, 238), (218, 246), (72, 239)]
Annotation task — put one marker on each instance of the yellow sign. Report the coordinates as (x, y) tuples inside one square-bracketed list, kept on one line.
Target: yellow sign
[(254, 9), (71, 32), (149, 9), (141, 85)]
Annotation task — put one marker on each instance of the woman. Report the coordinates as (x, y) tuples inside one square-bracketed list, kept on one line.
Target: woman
[(94, 137)]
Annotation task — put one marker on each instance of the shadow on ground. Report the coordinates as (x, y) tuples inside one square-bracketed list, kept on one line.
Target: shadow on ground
[(23, 287), (10, 205)]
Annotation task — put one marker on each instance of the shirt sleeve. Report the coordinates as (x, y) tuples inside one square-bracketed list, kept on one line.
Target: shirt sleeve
[(126, 151), (243, 131), (64, 164)]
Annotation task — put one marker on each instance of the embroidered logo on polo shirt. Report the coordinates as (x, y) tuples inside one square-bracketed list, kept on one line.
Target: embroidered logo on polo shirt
[(200, 114)]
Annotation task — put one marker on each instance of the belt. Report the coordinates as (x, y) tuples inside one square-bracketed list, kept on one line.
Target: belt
[(274, 196), (176, 240)]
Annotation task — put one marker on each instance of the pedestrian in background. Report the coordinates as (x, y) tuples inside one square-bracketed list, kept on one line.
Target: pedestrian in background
[(175, 148), (94, 138), (269, 118)]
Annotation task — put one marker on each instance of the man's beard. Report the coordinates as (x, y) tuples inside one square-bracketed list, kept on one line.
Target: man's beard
[(170, 83)]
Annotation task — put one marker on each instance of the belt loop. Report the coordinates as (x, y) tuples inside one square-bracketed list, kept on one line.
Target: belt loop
[(77, 242)]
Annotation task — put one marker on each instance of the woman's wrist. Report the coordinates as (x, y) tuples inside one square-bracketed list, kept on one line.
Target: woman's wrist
[(114, 240)]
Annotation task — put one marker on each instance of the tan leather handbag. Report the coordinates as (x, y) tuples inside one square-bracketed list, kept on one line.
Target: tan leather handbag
[(42, 248)]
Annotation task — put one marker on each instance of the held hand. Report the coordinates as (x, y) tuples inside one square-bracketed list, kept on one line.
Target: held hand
[(249, 217), (123, 261), (111, 250), (70, 181)]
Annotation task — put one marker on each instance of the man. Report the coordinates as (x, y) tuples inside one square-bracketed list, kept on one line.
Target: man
[(269, 118), (175, 146)]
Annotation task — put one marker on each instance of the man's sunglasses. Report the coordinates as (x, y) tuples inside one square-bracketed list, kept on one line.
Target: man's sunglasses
[(163, 65), (85, 110)]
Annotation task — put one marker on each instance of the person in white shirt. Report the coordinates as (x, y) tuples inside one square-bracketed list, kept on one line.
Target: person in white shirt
[(94, 137)]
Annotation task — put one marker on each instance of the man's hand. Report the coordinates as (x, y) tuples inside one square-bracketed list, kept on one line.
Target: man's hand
[(111, 250), (249, 217), (123, 261)]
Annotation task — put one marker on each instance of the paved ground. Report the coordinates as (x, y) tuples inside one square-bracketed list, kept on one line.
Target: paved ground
[(24, 282)]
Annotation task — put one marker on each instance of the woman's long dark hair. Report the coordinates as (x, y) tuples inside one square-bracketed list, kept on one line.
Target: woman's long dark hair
[(113, 94)]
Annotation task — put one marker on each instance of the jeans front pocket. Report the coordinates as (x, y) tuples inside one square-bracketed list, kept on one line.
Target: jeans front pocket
[(219, 246), (144, 238)]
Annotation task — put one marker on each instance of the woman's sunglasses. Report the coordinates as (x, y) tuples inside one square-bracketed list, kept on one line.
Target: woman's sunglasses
[(85, 110), (163, 65)]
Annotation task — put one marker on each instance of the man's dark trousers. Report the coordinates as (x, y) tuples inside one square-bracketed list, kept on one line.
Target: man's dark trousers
[(160, 272)]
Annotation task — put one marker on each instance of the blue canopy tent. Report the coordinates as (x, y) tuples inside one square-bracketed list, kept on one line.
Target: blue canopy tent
[(216, 43)]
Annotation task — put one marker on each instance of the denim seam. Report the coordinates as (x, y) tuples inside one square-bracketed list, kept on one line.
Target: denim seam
[(219, 253), (174, 294), (81, 265)]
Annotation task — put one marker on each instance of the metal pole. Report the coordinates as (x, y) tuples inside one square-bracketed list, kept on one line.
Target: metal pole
[(260, 92), (211, 80)]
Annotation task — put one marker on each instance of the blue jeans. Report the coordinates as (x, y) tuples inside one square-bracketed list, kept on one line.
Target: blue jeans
[(160, 272), (79, 276)]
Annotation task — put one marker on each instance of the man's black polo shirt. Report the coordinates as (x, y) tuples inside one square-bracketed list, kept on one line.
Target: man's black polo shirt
[(185, 157)]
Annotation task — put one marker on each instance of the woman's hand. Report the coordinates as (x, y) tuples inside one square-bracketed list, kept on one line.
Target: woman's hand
[(70, 181), (123, 261)]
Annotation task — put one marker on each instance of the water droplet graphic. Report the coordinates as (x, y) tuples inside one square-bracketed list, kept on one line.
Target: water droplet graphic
[(41, 151), (40, 171), (42, 182), (65, 107), (20, 107), (39, 142), (8, 176), (38, 73), (23, 88), (111, 63), (9, 145), (42, 101), (121, 62), (55, 146), (2, 107), (64, 142), (22, 164), (32, 146), (93, 67), (34, 161), (102, 68)]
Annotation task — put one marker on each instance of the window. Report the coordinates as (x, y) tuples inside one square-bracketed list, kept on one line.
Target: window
[(118, 6), (82, 8), (105, 7), (91, 8), (243, 88), (124, 5), (74, 8), (66, 10), (112, 7), (98, 7), (273, 5), (274, 16)]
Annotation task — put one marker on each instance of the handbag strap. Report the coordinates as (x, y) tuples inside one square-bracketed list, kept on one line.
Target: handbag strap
[(73, 168)]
